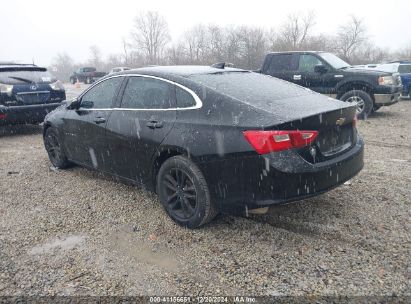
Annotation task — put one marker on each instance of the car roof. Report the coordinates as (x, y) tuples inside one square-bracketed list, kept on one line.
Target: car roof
[(4, 64), (180, 70), (9, 66), (297, 52)]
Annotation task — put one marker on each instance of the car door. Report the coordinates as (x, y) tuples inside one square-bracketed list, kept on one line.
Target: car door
[(322, 80), (134, 131), (282, 66), (85, 127)]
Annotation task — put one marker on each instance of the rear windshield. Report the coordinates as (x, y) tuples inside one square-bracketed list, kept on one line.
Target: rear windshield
[(404, 68), (22, 76), (252, 88)]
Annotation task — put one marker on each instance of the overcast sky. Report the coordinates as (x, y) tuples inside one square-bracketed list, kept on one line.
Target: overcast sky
[(39, 30)]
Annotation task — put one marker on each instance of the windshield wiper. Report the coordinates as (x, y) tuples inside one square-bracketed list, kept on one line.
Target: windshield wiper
[(22, 79)]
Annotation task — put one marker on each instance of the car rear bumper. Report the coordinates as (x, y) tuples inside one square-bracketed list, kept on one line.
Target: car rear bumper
[(26, 114), (258, 181)]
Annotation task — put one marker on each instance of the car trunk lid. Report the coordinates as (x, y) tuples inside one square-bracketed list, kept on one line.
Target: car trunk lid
[(336, 133)]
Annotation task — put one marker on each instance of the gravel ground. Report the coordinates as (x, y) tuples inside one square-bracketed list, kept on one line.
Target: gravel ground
[(75, 232)]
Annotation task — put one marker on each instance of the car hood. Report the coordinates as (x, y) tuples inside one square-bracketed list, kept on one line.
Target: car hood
[(360, 71)]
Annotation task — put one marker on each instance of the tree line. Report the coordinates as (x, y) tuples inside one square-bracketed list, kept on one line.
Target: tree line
[(149, 43)]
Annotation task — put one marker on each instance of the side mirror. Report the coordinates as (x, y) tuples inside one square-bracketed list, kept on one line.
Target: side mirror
[(320, 69), (74, 104)]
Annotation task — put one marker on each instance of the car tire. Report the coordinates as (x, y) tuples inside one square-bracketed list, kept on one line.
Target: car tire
[(184, 194), (54, 149), (88, 80), (72, 80), (364, 100)]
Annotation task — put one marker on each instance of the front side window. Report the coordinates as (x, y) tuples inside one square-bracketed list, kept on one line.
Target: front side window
[(334, 61), (148, 93), (404, 69), (102, 95), (307, 63)]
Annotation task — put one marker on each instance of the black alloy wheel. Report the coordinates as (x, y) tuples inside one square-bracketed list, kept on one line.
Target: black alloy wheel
[(183, 192)]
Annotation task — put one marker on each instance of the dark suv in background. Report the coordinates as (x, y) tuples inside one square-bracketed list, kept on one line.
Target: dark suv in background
[(328, 74), (27, 93)]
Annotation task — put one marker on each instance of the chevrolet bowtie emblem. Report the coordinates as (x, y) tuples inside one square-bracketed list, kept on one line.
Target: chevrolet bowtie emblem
[(340, 121)]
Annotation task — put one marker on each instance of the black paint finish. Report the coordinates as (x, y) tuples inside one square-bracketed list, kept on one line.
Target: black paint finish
[(133, 143)]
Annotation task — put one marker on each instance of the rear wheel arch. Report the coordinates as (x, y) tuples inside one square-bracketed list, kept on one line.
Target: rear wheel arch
[(159, 158)]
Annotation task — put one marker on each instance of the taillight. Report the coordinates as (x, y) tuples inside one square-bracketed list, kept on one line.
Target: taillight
[(271, 141)]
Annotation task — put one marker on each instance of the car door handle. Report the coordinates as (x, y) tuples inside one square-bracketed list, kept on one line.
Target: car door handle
[(152, 124), (99, 120), (297, 77)]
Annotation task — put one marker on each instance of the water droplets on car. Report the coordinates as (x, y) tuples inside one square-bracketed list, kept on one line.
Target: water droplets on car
[(138, 127), (93, 157), (219, 137)]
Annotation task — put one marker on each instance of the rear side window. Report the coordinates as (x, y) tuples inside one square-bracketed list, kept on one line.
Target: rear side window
[(308, 62), (102, 95), (280, 63), (148, 93), (184, 99)]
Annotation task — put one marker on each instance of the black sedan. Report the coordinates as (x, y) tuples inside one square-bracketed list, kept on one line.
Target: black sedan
[(27, 93), (208, 139)]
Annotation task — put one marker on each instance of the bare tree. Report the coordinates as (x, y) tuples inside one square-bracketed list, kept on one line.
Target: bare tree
[(150, 35), (126, 51), (113, 60), (196, 44), (176, 54), (216, 39), (295, 31), (351, 37), (62, 66), (96, 57), (253, 46), (403, 54), (232, 45), (245, 46)]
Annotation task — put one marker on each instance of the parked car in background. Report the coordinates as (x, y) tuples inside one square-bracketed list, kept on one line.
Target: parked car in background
[(27, 93), (327, 74), (209, 139), (87, 75), (403, 68), (119, 69)]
